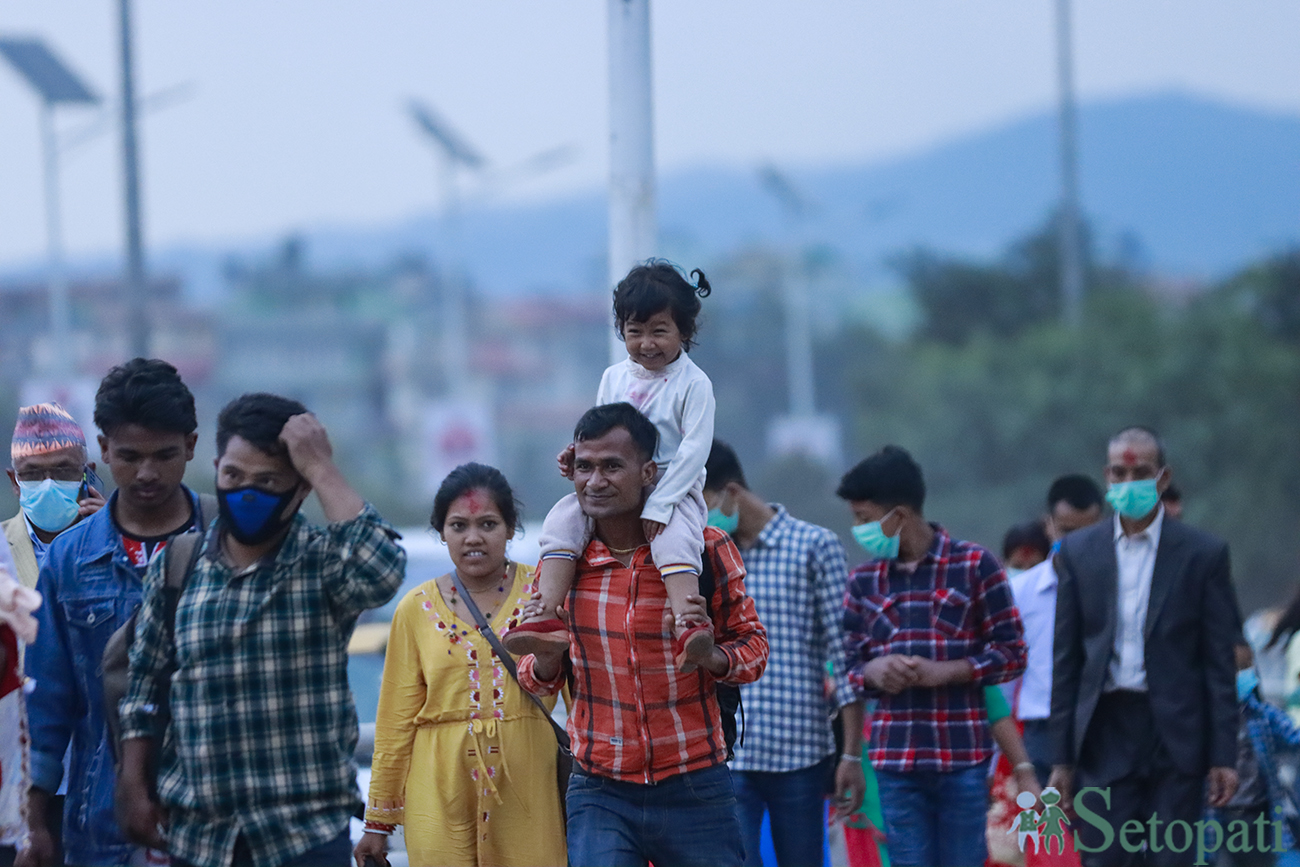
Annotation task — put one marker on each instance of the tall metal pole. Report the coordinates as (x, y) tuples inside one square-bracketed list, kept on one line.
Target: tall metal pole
[(632, 230), (60, 326), (455, 323), (1069, 222), (798, 340), (137, 310)]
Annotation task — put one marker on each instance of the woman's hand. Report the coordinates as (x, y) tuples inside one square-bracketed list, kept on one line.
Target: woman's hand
[(565, 460), (372, 848)]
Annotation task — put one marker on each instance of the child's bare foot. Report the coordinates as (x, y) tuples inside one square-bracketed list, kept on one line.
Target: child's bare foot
[(693, 647)]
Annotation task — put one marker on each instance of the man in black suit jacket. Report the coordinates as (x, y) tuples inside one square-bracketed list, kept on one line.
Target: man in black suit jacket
[(1143, 684)]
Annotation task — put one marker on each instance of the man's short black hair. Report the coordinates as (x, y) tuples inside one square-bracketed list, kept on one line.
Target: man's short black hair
[(257, 419), (1080, 491), (600, 420), (1142, 432), (722, 468), (1172, 494), (888, 478), (147, 392)]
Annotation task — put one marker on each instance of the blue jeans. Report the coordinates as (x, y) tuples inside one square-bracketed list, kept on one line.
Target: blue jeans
[(795, 801), (936, 819), (684, 821), (335, 853)]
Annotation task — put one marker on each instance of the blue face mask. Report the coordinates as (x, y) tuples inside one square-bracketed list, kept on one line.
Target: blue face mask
[(725, 523), (1247, 680), (50, 505), (871, 536), (253, 516), (1134, 500)]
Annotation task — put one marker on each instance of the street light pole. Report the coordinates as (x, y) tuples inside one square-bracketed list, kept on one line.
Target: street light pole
[(137, 312), (56, 85), (60, 315), (1068, 223), (632, 230)]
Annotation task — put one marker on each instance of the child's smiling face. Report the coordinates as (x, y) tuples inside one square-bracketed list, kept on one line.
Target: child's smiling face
[(653, 343)]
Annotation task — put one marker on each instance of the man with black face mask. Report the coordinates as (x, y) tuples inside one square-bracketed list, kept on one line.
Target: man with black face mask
[(257, 768)]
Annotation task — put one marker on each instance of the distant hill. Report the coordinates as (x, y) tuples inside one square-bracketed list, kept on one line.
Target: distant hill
[(1201, 186)]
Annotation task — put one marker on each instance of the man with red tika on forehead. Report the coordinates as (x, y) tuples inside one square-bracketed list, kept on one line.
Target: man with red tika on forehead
[(1144, 700)]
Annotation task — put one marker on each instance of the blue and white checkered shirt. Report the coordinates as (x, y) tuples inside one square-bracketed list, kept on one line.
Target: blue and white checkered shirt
[(797, 575)]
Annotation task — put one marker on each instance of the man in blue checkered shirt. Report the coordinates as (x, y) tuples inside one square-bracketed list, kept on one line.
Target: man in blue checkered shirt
[(930, 621), (796, 574), (255, 767)]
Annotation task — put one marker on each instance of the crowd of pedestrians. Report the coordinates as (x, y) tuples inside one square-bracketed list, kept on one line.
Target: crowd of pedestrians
[(1087, 697)]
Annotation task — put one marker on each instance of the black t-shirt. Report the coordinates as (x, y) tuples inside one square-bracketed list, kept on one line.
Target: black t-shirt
[(141, 550)]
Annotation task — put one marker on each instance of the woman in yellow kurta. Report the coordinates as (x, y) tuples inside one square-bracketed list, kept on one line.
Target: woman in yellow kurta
[(463, 759)]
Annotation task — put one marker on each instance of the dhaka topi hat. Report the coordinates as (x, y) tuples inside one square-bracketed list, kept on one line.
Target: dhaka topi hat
[(44, 428)]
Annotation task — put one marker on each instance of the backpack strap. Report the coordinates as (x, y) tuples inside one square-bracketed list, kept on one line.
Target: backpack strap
[(207, 511), (728, 695), (179, 557)]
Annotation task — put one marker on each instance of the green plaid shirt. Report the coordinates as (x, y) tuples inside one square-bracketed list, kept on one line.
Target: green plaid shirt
[(263, 726)]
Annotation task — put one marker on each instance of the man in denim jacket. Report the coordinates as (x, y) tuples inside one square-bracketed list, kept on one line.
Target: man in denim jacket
[(91, 583)]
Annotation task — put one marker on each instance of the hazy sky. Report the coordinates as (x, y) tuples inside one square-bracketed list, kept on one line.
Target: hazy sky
[(295, 115)]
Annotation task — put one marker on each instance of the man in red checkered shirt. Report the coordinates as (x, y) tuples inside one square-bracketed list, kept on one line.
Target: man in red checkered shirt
[(650, 780)]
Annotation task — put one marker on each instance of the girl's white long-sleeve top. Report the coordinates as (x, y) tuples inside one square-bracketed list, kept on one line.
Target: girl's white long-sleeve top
[(679, 401)]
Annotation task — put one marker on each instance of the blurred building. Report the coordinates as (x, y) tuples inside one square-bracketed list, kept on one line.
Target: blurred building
[(33, 368)]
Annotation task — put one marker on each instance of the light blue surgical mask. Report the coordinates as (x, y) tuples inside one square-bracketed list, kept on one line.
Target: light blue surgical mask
[(725, 523), (49, 504), (1134, 500), (1247, 680), (871, 536)]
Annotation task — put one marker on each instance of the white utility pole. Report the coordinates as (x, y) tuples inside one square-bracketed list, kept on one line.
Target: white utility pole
[(632, 229), (137, 290), (1069, 221)]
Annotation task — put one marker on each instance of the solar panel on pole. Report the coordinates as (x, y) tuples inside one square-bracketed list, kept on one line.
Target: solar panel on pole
[(46, 74), (56, 84)]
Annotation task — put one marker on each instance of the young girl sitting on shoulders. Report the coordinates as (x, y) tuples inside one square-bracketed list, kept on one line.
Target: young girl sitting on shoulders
[(655, 310)]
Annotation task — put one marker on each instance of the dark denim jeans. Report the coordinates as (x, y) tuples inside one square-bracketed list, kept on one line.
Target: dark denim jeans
[(936, 819), (335, 853), (795, 801), (685, 821)]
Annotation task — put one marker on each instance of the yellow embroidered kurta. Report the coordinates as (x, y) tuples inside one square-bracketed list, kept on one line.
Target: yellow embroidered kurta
[(463, 759)]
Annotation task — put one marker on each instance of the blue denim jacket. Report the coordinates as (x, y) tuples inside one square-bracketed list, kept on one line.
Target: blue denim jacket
[(90, 589)]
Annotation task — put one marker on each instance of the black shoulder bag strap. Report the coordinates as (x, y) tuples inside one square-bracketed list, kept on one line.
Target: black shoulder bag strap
[(485, 630)]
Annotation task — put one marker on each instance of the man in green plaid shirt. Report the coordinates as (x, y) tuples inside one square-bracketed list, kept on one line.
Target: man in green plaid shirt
[(256, 764)]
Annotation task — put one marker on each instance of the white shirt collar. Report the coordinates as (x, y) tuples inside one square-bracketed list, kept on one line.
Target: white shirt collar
[(1152, 531), (669, 369)]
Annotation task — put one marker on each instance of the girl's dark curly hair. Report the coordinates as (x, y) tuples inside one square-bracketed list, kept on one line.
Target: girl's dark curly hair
[(657, 285)]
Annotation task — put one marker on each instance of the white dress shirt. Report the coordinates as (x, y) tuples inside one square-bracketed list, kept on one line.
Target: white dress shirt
[(1136, 558), (1035, 593)]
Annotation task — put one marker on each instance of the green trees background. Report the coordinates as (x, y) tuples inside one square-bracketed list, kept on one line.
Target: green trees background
[(995, 396)]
